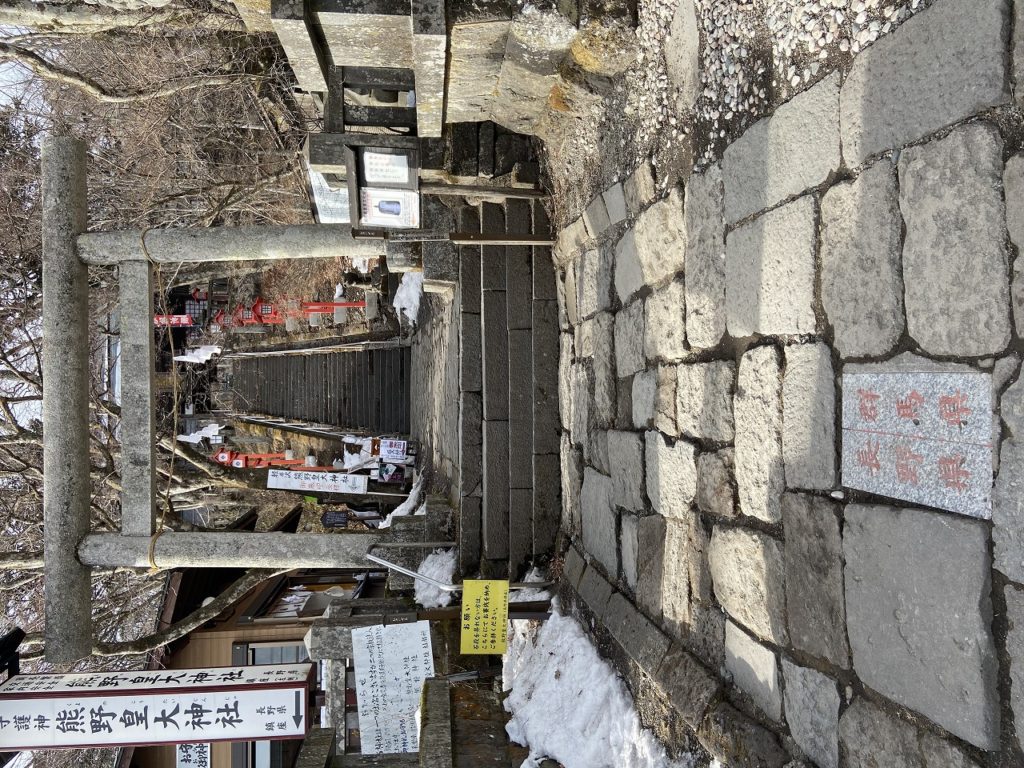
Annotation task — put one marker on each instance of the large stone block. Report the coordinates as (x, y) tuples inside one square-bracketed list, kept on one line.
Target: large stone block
[(661, 239), (520, 412), (675, 576), (769, 272), (650, 549), (686, 683), (812, 711), (665, 400), (645, 393), (793, 150), (954, 254), (626, 456), (615, 204), (470, 353), (565, 372), (628, 548), (814, 578), (704, 400), (495, 489), (603, 365), (705, 635), (736, 740), (704, 217), (754, 670), (808, 417), (749, 579), (580, 396), (716, 492), (935, 70), (599, 520), (1008, 510), (595, 591), (861, 272), (629, 276), (1015, 650), (519, 286), (671, 474), (495, 356), (871, 736), (629, 340), (1013, 191), (927, 643), (572, 482), (639, 188), (596, 217), (758, 415), (470, 442), (545, 377), (665, 324), (469, 275), (594, 282), (639, 638)]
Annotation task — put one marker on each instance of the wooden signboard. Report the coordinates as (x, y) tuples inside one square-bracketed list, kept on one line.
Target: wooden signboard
[(321, 482), (484, 616), (391, 664), (192, 756), (172, 706)]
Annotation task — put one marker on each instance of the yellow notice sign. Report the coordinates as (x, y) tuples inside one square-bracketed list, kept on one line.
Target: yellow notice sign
[(484, 616)]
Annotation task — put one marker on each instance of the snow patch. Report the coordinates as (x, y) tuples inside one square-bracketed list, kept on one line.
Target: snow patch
[(408, 295), (198, 355), (567, 703), (440, 566), (408, 507)]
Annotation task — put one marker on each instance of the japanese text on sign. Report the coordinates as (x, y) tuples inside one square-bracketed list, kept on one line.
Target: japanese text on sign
[(322, 482), (392, 450), (484, 616), (172, 321), (391, 664), (153, 706), (923, 437), (193, 756), (152, 718)]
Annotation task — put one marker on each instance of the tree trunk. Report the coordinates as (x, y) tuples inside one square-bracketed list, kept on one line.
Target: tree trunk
[(81, 17)]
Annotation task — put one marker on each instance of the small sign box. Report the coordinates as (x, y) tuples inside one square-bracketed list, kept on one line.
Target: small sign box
[(172, 706), (321, 482), (391, 664), (193, 756), (484, 616)]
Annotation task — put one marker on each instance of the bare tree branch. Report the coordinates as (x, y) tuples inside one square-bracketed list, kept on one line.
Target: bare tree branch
[(55, 73)]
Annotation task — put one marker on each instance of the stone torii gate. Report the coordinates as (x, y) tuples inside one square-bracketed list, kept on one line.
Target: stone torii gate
[(70, 550)]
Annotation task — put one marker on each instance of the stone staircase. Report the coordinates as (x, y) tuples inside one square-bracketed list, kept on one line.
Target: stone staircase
[(509, 490)]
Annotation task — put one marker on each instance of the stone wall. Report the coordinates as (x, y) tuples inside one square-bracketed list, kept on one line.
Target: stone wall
[(877, 215)]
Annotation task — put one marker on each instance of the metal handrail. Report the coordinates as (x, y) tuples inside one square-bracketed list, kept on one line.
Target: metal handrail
[(430, 580)]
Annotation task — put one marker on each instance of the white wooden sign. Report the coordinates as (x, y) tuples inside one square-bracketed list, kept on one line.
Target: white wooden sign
[(193, 756), (156, 707), (321, 482), (391, 664), (393, 450)]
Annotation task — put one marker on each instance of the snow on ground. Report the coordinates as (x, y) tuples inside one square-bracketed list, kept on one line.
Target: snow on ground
[(440, 566), (408, 295), (410, 506), (568, 703)]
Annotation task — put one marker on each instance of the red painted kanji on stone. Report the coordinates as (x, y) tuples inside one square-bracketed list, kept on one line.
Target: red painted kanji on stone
[(868, 456), (952, 472), (908, 407), (868, 404), (953, 409), (907, 464)]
